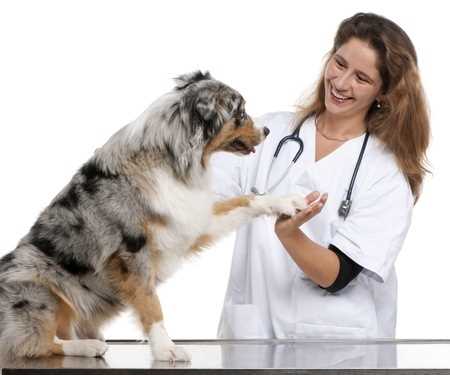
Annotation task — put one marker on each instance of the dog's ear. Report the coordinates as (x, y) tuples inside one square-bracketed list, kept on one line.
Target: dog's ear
[(185, 80), (206, 107)]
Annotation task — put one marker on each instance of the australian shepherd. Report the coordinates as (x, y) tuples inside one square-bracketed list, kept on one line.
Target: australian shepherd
[(138, 207)]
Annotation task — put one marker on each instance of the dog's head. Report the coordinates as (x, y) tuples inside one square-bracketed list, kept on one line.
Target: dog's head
[(184, 127), (219, 111)]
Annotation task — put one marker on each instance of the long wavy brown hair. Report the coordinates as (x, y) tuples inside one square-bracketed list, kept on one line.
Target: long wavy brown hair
[(400, 119)]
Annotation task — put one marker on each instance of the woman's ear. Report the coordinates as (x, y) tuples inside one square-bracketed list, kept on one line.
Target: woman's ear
[(379, 100)]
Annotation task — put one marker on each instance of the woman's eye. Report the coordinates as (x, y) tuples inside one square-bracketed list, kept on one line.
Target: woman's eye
[(361, 79), (339, 64)]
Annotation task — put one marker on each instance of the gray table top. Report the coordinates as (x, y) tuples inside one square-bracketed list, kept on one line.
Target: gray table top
[(259, 356)]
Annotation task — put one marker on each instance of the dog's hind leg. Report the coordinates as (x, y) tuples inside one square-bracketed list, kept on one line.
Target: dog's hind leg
[(65, 329), (64, 321), (30, 324), (79, 348), (28, 320), (89, 330)]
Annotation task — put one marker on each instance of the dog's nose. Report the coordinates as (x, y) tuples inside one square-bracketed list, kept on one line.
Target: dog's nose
[(266, 131)]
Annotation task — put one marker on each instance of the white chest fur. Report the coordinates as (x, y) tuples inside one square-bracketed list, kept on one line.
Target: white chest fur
[(188, 210)]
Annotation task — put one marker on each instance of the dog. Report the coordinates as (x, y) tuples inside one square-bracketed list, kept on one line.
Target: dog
[(124, 223)]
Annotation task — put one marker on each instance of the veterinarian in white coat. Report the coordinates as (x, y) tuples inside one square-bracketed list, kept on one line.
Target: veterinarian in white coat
[(319, 275)]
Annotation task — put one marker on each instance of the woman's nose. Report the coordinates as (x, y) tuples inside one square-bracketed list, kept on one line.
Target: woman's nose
[(266, 131), (342, 82)]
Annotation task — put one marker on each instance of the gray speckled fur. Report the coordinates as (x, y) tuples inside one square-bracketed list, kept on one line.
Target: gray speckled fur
[(99, 213)]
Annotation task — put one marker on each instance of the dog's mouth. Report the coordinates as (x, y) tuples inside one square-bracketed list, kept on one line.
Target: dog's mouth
[(238, 145)]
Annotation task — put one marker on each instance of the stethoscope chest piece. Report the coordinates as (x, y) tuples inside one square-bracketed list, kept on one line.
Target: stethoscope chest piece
[(344, 208)]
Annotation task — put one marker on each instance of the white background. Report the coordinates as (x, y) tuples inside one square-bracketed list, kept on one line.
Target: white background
[(73, 72)]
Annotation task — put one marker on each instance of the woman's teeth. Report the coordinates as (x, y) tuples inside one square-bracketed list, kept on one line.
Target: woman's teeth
[(338, 97)]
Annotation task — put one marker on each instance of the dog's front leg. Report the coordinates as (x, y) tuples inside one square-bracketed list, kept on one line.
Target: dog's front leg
[(230, 214), (148, 308)]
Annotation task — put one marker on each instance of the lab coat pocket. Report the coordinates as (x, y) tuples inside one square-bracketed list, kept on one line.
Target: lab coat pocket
[(349, 313), (243, 321), (323, 331)]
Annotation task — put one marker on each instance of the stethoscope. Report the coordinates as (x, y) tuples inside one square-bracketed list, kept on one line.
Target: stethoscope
[(344, 208)]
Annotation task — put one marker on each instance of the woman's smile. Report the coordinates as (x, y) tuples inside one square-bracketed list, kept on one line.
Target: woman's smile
[(338, 99)]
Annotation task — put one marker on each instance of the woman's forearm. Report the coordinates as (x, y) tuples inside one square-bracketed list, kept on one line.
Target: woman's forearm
[(319, 263)]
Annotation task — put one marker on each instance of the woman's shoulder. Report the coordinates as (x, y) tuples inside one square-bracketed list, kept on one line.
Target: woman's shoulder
[(382, 155), (384, 166)]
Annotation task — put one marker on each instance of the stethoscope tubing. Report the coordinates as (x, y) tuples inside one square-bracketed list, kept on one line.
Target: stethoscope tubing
[(345, 206)]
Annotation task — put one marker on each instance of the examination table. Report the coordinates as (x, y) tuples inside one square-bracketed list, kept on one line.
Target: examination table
[(257, 357)]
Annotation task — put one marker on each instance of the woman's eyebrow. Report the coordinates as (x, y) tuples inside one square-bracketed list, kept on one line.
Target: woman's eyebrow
[(340, 58)]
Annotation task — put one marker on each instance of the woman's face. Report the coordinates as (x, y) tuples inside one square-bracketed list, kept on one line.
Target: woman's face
[(352, 80)]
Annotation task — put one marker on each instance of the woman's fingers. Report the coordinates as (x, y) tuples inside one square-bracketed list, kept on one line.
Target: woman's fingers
[(313, 209), (323, 198), (316, 198), (285, 225), (311, 197), (304, 215), (317, 206)]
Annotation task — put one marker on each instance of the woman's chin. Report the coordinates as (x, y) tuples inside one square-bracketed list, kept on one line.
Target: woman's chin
[(341, 109)]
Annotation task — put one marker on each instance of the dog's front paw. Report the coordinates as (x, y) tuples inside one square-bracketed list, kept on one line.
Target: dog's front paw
[(288, 205), (172, 353)]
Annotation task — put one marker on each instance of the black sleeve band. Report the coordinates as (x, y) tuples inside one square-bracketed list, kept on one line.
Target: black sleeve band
[(348, 270)]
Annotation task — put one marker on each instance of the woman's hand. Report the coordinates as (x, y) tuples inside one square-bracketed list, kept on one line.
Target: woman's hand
[(286, 226), (317, 262)]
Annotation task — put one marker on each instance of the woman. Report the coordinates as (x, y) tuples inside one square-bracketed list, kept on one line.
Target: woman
[(321, 273)]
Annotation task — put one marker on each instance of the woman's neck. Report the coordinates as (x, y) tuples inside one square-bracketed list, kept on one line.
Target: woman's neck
[(341, 127)]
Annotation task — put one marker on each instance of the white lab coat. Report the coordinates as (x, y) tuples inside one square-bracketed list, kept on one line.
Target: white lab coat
[(268, 295)]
